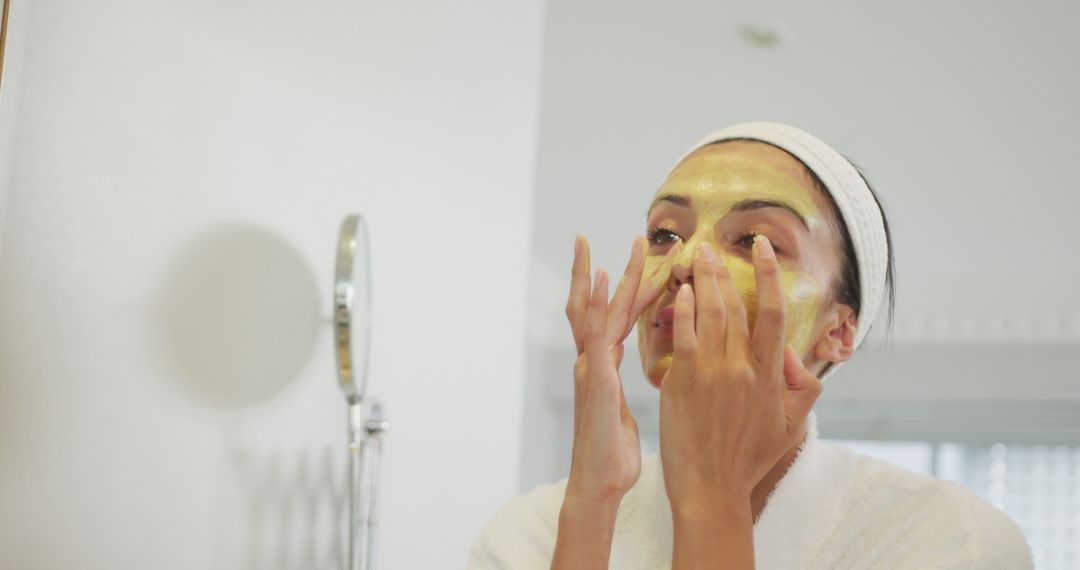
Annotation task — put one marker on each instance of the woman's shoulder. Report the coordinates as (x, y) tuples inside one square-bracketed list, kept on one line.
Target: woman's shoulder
[(917, 517), (521, 533)]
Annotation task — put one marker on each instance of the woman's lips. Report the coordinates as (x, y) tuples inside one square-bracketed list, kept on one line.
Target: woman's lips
[(664, 321)]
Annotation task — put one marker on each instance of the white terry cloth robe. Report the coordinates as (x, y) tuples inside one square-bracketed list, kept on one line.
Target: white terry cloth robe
[(833, 509)]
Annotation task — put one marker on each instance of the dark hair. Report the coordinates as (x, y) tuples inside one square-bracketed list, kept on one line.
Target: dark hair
[(848, 287)]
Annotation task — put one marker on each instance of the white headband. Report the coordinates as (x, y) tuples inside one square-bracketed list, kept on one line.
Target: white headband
[(852, 196)]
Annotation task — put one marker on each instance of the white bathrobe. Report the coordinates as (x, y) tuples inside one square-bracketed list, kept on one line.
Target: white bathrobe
[(832, 509)]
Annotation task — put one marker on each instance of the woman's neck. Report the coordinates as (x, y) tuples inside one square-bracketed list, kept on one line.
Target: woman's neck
[(765, 487)]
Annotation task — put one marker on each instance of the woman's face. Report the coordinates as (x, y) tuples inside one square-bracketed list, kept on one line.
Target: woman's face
[(725, 194)]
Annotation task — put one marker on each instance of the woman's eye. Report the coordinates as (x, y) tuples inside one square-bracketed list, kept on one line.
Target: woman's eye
[(747, 241), (660, 236)]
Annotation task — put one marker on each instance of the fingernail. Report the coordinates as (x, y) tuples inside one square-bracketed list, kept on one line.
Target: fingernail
[(763, 248), (683, 296), (707, 253), (577, 245)]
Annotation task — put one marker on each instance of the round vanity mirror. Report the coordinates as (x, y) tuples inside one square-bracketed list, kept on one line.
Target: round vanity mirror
[(352, 307)]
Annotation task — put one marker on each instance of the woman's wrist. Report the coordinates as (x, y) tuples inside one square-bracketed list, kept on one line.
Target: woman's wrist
[(595, 509), (712, 511), (586, 530), (593, 495), (708, 533), (694, 500)]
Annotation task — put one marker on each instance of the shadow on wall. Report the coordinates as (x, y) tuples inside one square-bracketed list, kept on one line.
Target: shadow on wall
[(297, 509), (239, 315)]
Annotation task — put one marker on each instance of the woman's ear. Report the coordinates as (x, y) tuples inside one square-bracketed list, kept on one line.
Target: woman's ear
[(837, 341)]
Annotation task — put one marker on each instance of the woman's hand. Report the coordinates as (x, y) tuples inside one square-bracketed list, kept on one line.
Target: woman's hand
[(606, 459), (731, 404)]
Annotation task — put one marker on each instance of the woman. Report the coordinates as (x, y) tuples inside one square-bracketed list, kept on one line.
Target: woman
[(767, 256)]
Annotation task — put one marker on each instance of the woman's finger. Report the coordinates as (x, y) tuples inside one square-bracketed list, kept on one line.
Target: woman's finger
[(710, 307), (803, 389), (580, 378), (619, 318), (596, 346), (602, 383), (684, 354), (736, 333), (652, 285), (769, 329), (617, 354), (577, 304)]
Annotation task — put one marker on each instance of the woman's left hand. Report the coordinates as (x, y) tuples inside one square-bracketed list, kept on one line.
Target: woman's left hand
[(731, 403)]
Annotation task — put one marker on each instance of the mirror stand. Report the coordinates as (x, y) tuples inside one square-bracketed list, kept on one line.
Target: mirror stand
[(352, 310)]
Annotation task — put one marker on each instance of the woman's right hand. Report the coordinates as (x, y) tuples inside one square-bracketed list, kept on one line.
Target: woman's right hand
[(606, 459), (607, 453)]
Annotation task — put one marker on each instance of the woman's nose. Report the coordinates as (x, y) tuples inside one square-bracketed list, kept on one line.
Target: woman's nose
[(681, 273), (682, 268)]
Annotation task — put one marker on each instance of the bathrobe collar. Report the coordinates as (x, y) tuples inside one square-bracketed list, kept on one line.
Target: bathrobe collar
[(802, 510), (806, 505)]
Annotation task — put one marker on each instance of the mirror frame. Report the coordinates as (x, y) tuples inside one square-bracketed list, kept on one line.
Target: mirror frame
[(353, 253)]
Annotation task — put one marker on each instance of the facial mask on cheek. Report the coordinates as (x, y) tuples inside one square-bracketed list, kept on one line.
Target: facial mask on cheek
[(654, 272), (802, 293)]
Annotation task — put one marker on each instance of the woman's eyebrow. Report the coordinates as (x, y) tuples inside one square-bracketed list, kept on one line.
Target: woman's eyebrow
[(673, 198), (746, 205)]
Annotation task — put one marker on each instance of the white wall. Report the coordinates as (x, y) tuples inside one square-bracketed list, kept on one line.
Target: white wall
[(9, 89), (167, 394)]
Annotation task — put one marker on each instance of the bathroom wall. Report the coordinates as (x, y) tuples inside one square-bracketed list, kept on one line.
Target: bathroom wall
[(9, 88), (178, 174)]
